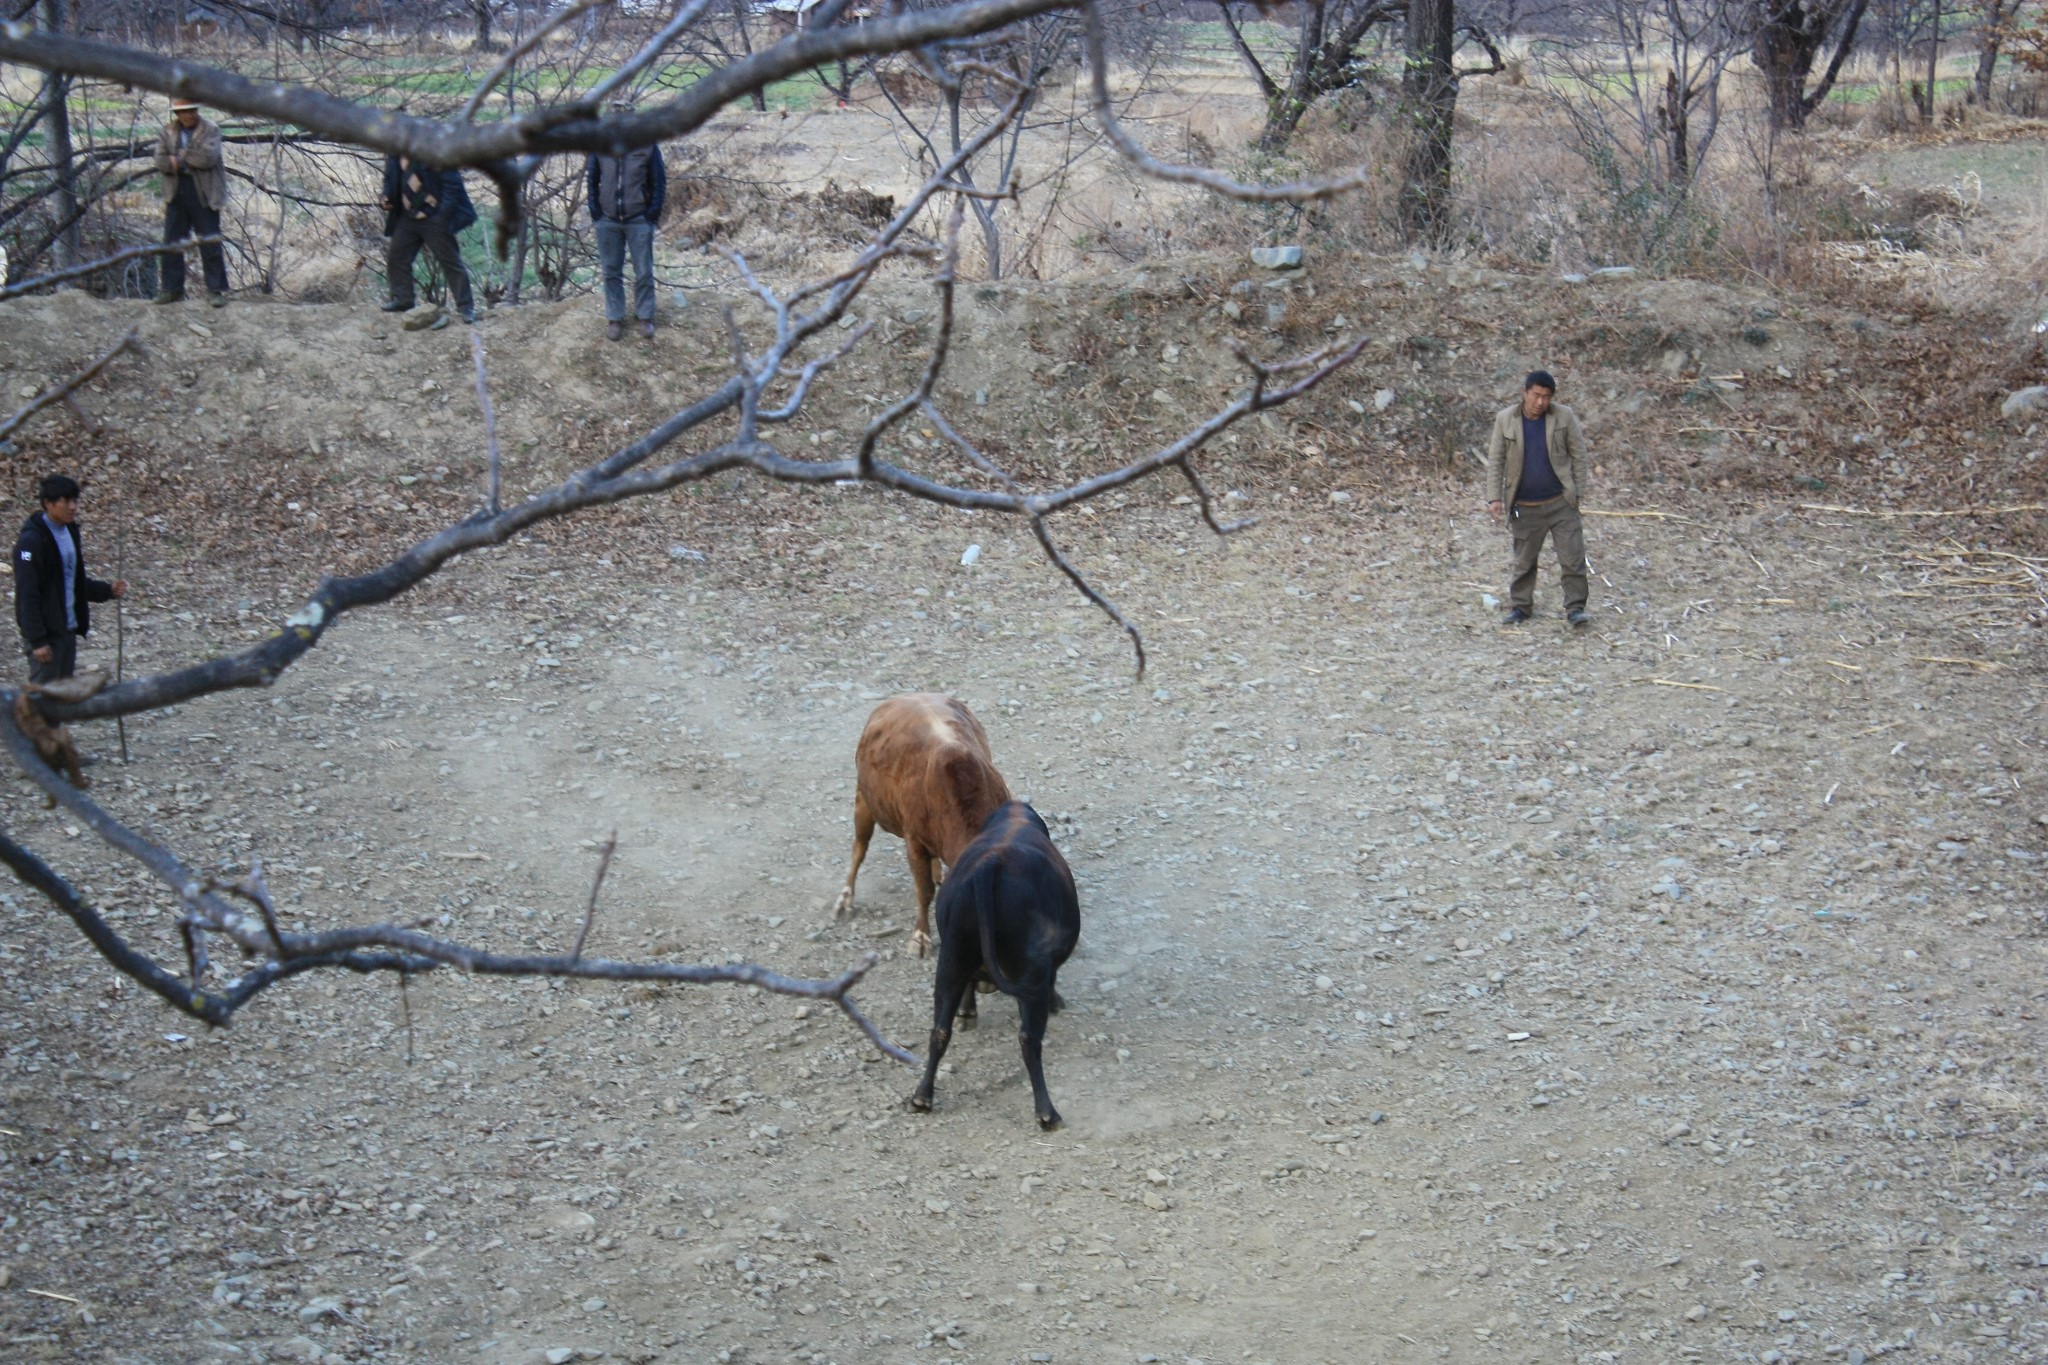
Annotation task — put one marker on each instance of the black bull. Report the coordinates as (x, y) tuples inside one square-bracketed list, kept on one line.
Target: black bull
[(1006, 913)]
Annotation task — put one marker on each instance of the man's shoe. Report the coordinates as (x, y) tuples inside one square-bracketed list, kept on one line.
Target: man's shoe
[(394, 306), (1514, 617), (469, 317), (168, 297), (647, 328), (1577, 616), (216, 300), (613, 331)]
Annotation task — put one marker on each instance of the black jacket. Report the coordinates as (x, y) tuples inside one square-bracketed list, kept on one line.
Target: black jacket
[(455, 209), (39, 584), (626, 189)]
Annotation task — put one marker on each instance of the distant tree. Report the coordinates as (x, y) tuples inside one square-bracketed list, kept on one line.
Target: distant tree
[(1430, 77), (1325, 59), (1790, 36), (1992, 22)]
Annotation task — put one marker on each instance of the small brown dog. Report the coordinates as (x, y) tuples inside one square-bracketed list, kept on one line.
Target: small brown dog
[(53, 741)]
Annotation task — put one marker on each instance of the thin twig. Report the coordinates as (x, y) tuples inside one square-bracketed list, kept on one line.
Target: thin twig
[(1052, 552), (604, 864), (483, 399), (405, 1005), (118, 258), (61, 392), (685, 16), (468, 112)]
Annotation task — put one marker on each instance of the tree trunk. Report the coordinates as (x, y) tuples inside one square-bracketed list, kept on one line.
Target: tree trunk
[(482, 9), (64, 252), (1789, 37), (1988, 39), (1677, 133), (1429, 89), (1933, 65), (1285, 108)]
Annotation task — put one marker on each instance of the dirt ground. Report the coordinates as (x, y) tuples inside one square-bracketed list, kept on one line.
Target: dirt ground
[(1668, 990)]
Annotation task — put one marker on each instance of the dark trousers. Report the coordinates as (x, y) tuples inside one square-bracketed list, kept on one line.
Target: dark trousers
[(408, 235), (1530, 523), (186, 215), (63, 660)]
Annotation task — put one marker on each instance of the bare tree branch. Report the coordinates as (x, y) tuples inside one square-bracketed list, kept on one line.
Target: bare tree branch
[(794, 353), (362, 948), (61, 392), (449, 143), (504, 68), (132, 253)]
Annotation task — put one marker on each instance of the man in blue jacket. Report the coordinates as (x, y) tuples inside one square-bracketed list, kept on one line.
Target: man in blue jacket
[(425, 207), (52, 590), (626, 194)]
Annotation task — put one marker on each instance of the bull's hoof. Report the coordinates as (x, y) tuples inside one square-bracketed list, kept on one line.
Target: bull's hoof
[(921, 943), (968, 1021), (844, 904), (1050, 1121), (921, 1103)]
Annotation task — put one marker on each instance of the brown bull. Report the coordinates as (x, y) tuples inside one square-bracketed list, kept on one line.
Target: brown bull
[(925, 775)]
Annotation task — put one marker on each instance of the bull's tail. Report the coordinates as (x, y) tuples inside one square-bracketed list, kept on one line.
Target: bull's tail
[(984, 914)]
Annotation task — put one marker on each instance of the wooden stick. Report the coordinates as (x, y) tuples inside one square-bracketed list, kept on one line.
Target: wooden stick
[(1945, 512), (1696, 687), (120, 630), (47, 1294), (1985, 664)]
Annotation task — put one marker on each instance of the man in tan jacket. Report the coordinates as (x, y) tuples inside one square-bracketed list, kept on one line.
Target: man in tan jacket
[(195, 187), (1536, 473)]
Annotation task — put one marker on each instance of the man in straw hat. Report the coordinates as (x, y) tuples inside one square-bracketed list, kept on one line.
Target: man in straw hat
[(195, 187), (626, 194)]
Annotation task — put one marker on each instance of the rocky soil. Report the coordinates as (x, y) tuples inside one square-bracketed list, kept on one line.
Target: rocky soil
[(1669, 990)]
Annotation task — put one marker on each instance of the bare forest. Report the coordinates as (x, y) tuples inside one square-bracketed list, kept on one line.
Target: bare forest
[(423, 943)]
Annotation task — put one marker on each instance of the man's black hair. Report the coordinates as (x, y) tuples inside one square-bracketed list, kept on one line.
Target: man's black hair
[(1541, 377), (56, 487)]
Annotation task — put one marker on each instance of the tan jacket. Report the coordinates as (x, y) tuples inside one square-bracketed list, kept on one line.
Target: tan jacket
[(1561, 432), (202, 162)]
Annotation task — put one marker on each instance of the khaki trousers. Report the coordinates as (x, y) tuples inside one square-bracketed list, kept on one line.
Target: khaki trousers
[(1530, 522)]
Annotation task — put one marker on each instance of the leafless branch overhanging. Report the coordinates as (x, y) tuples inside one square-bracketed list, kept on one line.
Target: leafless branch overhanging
[(769, 387)]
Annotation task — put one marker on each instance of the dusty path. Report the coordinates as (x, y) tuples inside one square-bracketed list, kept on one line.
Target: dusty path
[(1443, 993)]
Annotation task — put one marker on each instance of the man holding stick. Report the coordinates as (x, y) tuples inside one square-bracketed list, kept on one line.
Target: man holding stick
[(52, 590), (1536, 473)]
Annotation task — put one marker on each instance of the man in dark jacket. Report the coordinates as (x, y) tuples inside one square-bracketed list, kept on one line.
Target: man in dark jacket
[(51, 586), (626, 194), (425, 207)]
